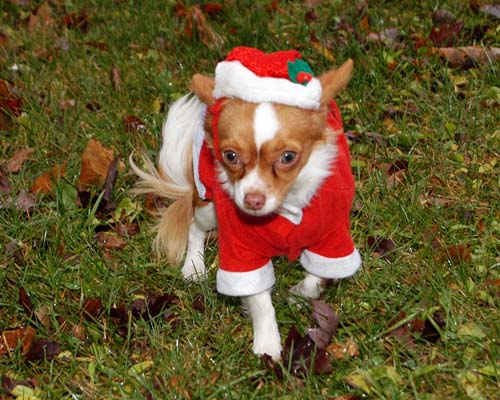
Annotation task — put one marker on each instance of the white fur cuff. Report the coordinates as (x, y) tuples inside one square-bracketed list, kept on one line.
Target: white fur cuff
[(246, 283), (232, 79), (331, 268)]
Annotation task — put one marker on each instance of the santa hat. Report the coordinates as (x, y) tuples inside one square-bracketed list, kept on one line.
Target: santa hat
[(257, 77)]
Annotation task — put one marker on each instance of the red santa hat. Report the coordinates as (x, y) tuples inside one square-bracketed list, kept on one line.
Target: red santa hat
[(257, 77)]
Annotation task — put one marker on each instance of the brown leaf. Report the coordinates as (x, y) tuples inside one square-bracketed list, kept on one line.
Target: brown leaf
[(92, 308), (18, 159), (5, 187), (213, 9), (95, 164), (199, 303), (325, 317), (25, 201), (42, 18), (45, 183), (96, 44), (491, 9), (110, 180), (9, 384), (115, 77), (10, 340), (133, 123), (466, 57), (128, 229), (206, 33), (443, 17), (445, 34), (457, 253), (26, 303), (43, 349), (382, 246), (108, 241), (343, 350), (77, 21)]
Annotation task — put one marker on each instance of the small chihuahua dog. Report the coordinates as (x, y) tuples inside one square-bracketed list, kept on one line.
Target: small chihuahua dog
[(258, 152)]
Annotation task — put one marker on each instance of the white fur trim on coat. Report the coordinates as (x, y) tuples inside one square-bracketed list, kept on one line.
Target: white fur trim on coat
[(232, 79), (331, 268), (246, 283)]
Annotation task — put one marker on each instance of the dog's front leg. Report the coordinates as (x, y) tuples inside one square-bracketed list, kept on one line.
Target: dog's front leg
[(266, 336), (204, 220)]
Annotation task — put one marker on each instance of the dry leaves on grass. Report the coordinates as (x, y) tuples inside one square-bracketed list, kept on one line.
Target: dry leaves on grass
[(96, 160), (15, 163), (46, 182), (307, 354)]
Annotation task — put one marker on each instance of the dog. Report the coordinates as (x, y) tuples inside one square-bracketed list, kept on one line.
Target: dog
[(258, 152)]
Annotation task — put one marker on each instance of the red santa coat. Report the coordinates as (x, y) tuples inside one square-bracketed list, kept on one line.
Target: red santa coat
[(321, 239)]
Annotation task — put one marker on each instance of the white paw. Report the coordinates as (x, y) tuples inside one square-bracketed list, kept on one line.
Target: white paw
[(194, 270), (269, 344), (306, 291)]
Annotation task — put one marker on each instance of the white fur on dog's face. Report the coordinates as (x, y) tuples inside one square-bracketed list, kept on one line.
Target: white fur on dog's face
[(264, 147)]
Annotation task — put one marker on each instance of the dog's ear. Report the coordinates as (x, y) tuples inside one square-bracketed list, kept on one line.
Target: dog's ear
[(203, 86), (334, 81)]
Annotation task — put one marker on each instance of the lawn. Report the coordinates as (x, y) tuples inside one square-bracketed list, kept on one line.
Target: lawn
[(86, 309)]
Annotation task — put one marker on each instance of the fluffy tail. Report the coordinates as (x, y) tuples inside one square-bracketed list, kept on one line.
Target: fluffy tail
[(173, 180)]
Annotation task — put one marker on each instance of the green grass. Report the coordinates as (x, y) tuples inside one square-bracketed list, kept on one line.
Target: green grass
[(449, 196)]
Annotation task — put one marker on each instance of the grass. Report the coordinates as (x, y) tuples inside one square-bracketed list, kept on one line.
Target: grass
[(443, 217)]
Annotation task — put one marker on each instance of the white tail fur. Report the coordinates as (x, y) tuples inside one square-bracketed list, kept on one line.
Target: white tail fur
[(174, 178)]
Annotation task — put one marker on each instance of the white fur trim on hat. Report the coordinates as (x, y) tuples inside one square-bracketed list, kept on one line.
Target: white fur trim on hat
[(232, 79)]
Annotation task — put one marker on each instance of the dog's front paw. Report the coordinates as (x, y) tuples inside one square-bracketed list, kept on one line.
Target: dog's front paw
[(194, 270), (269, 344), (309, 288)]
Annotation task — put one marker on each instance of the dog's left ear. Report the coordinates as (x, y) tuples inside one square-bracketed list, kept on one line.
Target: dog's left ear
[(334, 81), (203, 86)]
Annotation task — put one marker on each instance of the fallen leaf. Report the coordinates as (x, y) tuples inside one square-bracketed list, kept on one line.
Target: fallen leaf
[(109, 241), (382, 246), (109, 182), (195, 21), (42, 349), (359, 381), (26, 303), (491, 9), (443, 17), (471, 329), (457, 253), (213, 9), (10, 340), (25, 201), (18, 159), (45, 183), (42, 18), (95, 164), (96, 44), (5, 187), (199, 303), (325, 317), (343, 350), (133, 124), (77, 21), (140, 368), (10, 384), (115, 77), (92, 308), (323, 51), (445, 34), (469, 56)]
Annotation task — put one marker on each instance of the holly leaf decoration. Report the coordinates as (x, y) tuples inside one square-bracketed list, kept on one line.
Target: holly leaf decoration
[(299, 72)]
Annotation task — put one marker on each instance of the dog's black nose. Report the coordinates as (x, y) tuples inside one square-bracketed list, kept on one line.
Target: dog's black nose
[(255, 201)]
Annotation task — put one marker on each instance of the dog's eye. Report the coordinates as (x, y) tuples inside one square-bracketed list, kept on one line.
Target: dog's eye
[(231, 157), (288, 157)]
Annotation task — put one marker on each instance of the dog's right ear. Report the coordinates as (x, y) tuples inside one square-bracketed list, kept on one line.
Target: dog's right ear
[(203, 86)]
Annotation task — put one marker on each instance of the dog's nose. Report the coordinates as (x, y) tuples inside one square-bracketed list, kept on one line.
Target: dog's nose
[(255, 201)]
